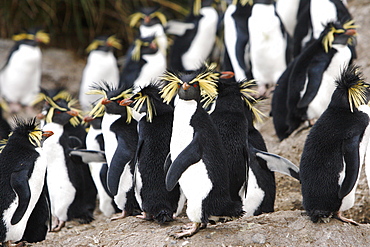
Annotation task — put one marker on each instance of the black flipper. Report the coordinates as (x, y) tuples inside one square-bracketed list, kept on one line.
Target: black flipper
[(167, 163), (19, 183), (89, 155), (189, 156), (350, 148)]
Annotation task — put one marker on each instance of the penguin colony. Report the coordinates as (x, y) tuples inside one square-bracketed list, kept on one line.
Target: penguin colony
[(172, 130)]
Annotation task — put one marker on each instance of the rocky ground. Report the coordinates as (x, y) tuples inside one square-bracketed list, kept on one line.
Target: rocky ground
[(288, 226)]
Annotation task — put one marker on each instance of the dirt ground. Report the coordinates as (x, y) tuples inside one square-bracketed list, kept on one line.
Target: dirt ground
[(288, 226)]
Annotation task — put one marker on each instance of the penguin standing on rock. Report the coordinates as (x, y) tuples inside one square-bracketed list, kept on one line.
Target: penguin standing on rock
[(197, 160), (24, 206), (332, 156), (20, 78), (101, 65), (155, 128), (194, 44)]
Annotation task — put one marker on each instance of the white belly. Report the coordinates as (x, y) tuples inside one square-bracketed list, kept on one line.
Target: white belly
[(254, 196), (110, 139)]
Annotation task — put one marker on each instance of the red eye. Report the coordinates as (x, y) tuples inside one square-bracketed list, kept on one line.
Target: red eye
[(178, 85), (58, 112), (195, 85)]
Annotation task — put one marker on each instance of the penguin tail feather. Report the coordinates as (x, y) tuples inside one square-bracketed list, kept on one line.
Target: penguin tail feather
[(164, 216), (316, 215)]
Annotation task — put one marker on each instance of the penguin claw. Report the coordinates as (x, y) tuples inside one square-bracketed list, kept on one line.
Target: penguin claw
[(123, 215), (58, 227), (340, 217), (189, 230)]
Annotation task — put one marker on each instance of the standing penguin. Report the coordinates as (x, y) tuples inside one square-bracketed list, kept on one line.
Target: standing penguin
[(197, 160), (101, 65), (72, 190), (23, 189), (145, 62), (20, 78), (120, 135), (269, 50), (331, 158), (307, 83), (193, 47), (155, 128)]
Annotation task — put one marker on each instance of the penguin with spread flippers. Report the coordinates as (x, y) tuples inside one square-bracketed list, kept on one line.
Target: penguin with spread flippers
[(193, 47), (71, 188), (101, 65), (155, 128), (308, 82), (332, 158), (119, 130), (145, 62), (24, 206), (20, 78), (197, 160)]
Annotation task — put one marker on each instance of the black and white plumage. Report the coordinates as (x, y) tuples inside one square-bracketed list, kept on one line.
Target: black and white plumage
[(24, 206), (197, 160), (304, 89), (193, 46), (20, 78), (101, 66), (333, 152)]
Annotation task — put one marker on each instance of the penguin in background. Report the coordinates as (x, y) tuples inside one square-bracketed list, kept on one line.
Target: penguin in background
[(145, 62), (101, 65), (197, 159), (71, 188), (119, 130), (236, 39), (24, 206), (20, 78), (195, 37), (151, 22), (308, 80), (269, 45), (288, 11), (154, 128), (332, 157)]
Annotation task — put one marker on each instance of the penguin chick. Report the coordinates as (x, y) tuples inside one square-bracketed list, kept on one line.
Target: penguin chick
[(331, 158), (197, 160), (101, 65), (24, 206), (20, 78)]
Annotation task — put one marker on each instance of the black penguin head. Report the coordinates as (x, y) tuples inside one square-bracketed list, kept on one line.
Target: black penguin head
[(337, 33), (352, 91), (148, 16), (104, 43), (144, 46), (32, 37), (191, 85)]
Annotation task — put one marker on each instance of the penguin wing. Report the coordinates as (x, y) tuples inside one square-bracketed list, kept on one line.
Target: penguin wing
[(351, 156), (88, 156), (178, 28), (189, 156), (315, 73), (276, 163), (19, 183), (167, 163)]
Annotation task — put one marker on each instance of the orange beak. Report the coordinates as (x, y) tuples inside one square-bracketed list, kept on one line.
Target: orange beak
[(106, 101), (72, 113), (125, 102), (47, 133), (185, 86), (146, 19), (88, 119), (350, 32), (227, 74)]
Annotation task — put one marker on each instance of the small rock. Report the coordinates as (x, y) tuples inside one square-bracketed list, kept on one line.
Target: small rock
[(259, 238)]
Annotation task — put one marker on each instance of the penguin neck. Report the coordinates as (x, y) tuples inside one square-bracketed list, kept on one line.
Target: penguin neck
[(57, 129)]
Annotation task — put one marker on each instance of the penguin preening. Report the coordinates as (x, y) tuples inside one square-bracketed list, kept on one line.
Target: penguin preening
[(304, 88), (193, 46), (24, 206), (145, 62), (119, 130), (20, 78), (71, 188), (154, 128), (332, 156), (101, 65), (197, 160)]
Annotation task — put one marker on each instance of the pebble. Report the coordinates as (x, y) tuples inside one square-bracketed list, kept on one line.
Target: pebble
[(259, 238)]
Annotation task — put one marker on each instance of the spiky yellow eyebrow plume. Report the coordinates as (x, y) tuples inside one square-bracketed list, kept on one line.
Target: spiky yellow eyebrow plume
[(140, 100), (250, 101), (328, 39), (35, 137), (40, 35), (357, 92), (43, 37), (136, 17), (99, 108), (196, 7), (124, 95), (244, 2), (136, 51), (114, 42)]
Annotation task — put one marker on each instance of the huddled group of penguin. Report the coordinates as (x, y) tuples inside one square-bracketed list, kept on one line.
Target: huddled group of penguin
[(173, 129)]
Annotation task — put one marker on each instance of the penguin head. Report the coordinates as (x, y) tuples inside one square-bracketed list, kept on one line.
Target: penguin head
[(191, 85), (110, 102), (352, 91), (104, 43), (32, 37), (148, 16), (144, 46), (241, 2), (148, 102), (27, 132), (337, 33)]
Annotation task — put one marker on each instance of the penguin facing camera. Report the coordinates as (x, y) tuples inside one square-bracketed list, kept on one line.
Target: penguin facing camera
[(334, 150), (197, 159), (24, 206), (20, 78), (101, 65)]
